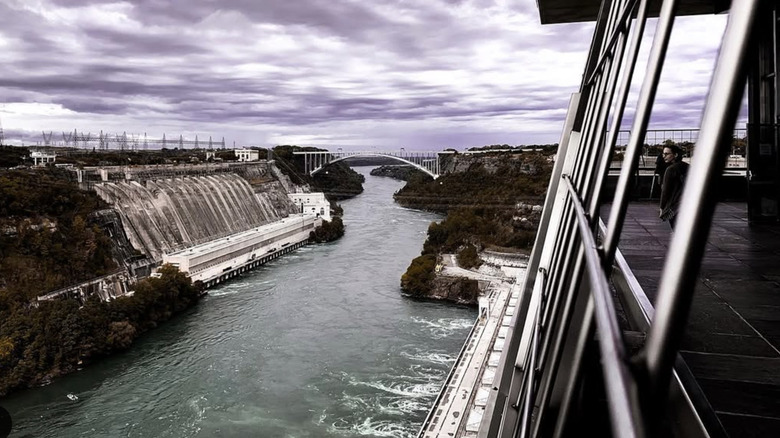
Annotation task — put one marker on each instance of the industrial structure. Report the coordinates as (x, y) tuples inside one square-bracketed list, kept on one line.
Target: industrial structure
[(679, 336), (42, 157), (247, 154), (215, 261), (428, 162), (312, 203), (104, 141)]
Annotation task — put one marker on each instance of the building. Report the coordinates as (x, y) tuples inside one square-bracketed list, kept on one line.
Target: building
[(219, 259), (247, 154), (42, 158), (669, 334), (312, 203)]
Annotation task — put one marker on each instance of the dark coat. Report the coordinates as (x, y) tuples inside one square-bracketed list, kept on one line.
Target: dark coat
[(672, 188), (660, 168)]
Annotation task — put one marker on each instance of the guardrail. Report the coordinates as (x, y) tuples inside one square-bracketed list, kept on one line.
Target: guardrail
[(458, 360)]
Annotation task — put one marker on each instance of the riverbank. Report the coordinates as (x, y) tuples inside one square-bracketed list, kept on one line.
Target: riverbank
[(492, 202), (318, 343), (460, 405)]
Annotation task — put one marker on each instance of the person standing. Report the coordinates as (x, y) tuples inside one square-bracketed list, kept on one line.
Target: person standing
[(660, 168), (672, 185)]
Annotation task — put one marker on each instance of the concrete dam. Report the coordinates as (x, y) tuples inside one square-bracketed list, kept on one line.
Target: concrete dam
[(212, 221), (166, 215)]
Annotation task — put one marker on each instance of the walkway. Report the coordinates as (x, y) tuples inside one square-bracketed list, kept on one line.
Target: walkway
[(450, 268), (732, 342), (458, 410)]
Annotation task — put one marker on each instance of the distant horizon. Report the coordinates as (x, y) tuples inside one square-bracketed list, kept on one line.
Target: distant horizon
[(135, 143), (431, 75), (204, 147)]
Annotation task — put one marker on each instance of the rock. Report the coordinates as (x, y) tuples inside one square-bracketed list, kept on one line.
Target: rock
[(455, 289)]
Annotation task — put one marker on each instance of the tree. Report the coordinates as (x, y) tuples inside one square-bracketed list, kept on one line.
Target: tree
[(418, 277)]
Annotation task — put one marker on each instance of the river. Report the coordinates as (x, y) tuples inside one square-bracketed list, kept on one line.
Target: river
[(318, 343)]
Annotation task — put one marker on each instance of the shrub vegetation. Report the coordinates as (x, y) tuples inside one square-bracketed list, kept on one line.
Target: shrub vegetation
[(328, 231), (58, 336), (488, 201), (46, 238)]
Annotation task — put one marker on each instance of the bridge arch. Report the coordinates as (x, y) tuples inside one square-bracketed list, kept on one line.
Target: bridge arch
[(415, 165), (428, 162)]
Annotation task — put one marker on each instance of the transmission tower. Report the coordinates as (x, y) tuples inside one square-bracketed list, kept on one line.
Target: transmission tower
[(67, 138), (102, 139), (2, 136), (86, 139), (122, 140)]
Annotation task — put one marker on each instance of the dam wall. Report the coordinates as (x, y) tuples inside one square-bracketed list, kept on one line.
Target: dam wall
[(164, 209), (235, 215)]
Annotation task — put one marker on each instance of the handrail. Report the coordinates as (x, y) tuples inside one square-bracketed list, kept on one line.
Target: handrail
[(537, 397), (532, 365), (641, 120), (446, 382), (675, 291), (617, 376)]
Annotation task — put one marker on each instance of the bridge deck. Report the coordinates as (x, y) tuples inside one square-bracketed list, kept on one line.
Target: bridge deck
[(732, 343)]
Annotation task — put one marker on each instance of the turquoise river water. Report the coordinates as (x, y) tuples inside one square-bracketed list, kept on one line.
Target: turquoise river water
[(319, 343)]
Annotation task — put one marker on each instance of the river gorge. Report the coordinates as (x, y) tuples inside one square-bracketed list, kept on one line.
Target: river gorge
[(319, 343)]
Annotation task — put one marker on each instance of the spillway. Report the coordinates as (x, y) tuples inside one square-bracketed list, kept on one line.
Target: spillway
[(165, 215)]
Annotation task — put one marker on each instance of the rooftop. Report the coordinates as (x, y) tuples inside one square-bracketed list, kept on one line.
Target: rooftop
[(732, 340)]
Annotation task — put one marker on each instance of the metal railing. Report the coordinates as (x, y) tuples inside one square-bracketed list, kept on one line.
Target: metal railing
[(657, 137), (566, 314), (445, 385)]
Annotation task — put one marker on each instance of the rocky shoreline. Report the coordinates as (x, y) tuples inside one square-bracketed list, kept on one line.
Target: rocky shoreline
[(400, 171), (465, 286)]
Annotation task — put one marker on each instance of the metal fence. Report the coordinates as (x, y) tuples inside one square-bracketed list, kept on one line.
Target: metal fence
[(566, 314)]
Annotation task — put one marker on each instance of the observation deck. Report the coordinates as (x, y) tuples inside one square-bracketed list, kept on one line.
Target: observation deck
[(680, 337), (731, 345)]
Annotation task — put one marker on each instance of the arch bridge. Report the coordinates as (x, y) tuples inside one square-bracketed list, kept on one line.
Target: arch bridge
[(428, 162)]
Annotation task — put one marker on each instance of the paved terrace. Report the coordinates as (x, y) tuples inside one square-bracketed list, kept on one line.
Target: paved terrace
[(732, 343)]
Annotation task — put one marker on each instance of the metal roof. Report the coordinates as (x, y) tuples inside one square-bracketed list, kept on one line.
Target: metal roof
[(571, 11)]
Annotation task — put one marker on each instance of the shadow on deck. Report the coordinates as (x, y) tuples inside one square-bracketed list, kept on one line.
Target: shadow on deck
[(732, 341)]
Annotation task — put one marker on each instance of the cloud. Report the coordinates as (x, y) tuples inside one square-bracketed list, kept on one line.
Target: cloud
[(344, 72)]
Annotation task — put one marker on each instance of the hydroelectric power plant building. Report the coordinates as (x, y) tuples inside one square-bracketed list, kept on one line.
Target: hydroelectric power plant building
[(220, 259), (213, 221)]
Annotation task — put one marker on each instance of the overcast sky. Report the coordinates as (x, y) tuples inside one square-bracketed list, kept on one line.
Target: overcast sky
[(418, 74)]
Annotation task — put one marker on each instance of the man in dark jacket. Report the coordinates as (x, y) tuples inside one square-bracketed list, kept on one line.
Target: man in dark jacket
[(660, 168), (673, 182)]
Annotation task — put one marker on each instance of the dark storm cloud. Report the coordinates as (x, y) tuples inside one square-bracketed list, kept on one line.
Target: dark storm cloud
[(93, 106), (133, 44), (324, 71)]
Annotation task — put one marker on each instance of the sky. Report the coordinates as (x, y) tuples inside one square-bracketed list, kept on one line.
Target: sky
[(381, 74)]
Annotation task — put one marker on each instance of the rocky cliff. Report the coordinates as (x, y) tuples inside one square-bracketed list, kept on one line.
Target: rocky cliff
[(492, 201), (458, 290)]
